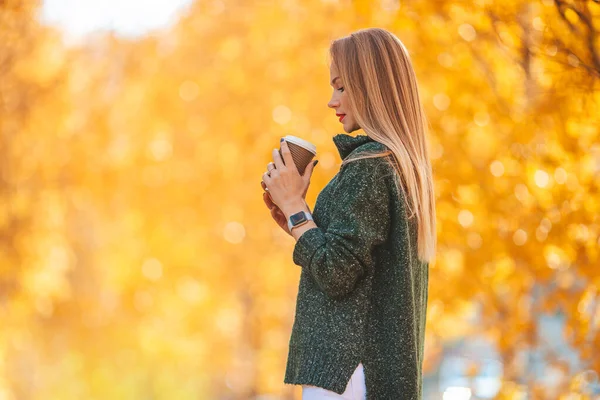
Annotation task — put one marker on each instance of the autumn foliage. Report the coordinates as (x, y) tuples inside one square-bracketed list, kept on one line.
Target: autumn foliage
[(137, 259)]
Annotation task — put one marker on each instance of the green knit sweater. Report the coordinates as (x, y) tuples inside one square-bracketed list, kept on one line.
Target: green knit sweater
[(362, 295)]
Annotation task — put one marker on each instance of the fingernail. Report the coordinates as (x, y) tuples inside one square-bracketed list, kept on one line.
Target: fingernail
[(315, 163), (281, 140)]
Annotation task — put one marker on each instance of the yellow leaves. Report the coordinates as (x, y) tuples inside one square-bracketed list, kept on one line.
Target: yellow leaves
[(503, 268), (152, 269), (578, 233), (44, 64), (453, 325), (282, 114), (441, 101), (586, 132), (481, 118), (188, 90), (465, 218), (363, 9), (152, 153), (571, 16), (227, 152), (497, 168), (467, 32), (445, 59), (587, 306), (160, 148), (46, 281), (451, 262), (228, 321), (192, 291), (481, 143), (541, 178), (230, 48), (234, 232), (557, 257), (513, 391)]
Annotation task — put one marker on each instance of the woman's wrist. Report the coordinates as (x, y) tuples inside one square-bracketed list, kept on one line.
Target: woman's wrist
[(294, 208)]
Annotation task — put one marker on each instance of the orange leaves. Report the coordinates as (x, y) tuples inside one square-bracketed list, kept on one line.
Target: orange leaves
[(131, 214)]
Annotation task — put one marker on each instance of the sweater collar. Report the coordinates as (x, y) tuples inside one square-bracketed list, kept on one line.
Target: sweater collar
[(346, 143)]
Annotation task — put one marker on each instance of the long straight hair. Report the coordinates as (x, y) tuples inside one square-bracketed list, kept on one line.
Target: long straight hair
[(381, 85)]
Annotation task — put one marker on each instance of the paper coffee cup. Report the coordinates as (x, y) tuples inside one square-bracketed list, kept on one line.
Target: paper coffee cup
[(302, 152)]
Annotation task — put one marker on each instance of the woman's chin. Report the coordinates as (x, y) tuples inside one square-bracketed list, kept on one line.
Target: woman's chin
[(349, 128)]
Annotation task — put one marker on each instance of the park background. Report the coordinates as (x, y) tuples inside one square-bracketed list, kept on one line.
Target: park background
[(138, 260)]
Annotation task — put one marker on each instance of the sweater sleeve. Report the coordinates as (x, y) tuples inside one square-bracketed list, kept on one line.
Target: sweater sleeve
[(359, 220)]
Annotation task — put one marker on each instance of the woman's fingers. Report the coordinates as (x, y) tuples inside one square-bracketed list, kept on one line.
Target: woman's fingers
[(275, 211), (278, 212), (264, 186), (271, 202), (267, 200), (278, 216)]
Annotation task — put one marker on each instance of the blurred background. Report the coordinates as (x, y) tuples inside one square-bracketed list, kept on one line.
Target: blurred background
[(138, 260)]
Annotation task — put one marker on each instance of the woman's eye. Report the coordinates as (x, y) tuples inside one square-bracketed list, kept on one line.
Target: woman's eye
[(341, 89)]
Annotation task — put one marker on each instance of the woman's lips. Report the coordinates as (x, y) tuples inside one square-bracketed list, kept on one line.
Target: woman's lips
[(342, 117)]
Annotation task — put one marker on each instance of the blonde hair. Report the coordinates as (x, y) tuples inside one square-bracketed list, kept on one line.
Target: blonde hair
[(383, 97)]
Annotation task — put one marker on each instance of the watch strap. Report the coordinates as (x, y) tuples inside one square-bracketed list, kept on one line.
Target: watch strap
[(308, 218)]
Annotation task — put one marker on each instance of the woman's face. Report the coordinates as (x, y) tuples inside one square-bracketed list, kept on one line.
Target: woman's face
[(339, 101)]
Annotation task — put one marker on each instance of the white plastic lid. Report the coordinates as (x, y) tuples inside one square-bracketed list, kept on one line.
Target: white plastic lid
[(301, 142)]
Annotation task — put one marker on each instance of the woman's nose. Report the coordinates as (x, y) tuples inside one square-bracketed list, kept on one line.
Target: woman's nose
[(333, 103)]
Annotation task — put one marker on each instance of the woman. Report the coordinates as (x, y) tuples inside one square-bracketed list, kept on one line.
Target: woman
[(360, 315)]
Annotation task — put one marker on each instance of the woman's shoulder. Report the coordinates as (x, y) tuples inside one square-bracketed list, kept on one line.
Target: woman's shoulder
[(371, 157), (371, 146)]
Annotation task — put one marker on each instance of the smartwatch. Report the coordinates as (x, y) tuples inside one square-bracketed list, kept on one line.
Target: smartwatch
[(300, 218)]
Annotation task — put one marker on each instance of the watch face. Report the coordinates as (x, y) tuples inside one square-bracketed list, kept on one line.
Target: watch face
[(297, 218)]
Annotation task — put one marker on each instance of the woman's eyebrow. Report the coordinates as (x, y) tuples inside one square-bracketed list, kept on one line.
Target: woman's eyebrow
[(334, 79)]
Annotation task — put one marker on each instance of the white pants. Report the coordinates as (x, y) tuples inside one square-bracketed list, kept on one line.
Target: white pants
[(355, 389)]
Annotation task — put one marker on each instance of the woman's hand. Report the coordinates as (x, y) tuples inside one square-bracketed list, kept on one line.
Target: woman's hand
[(284, 183), (276, 213)]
